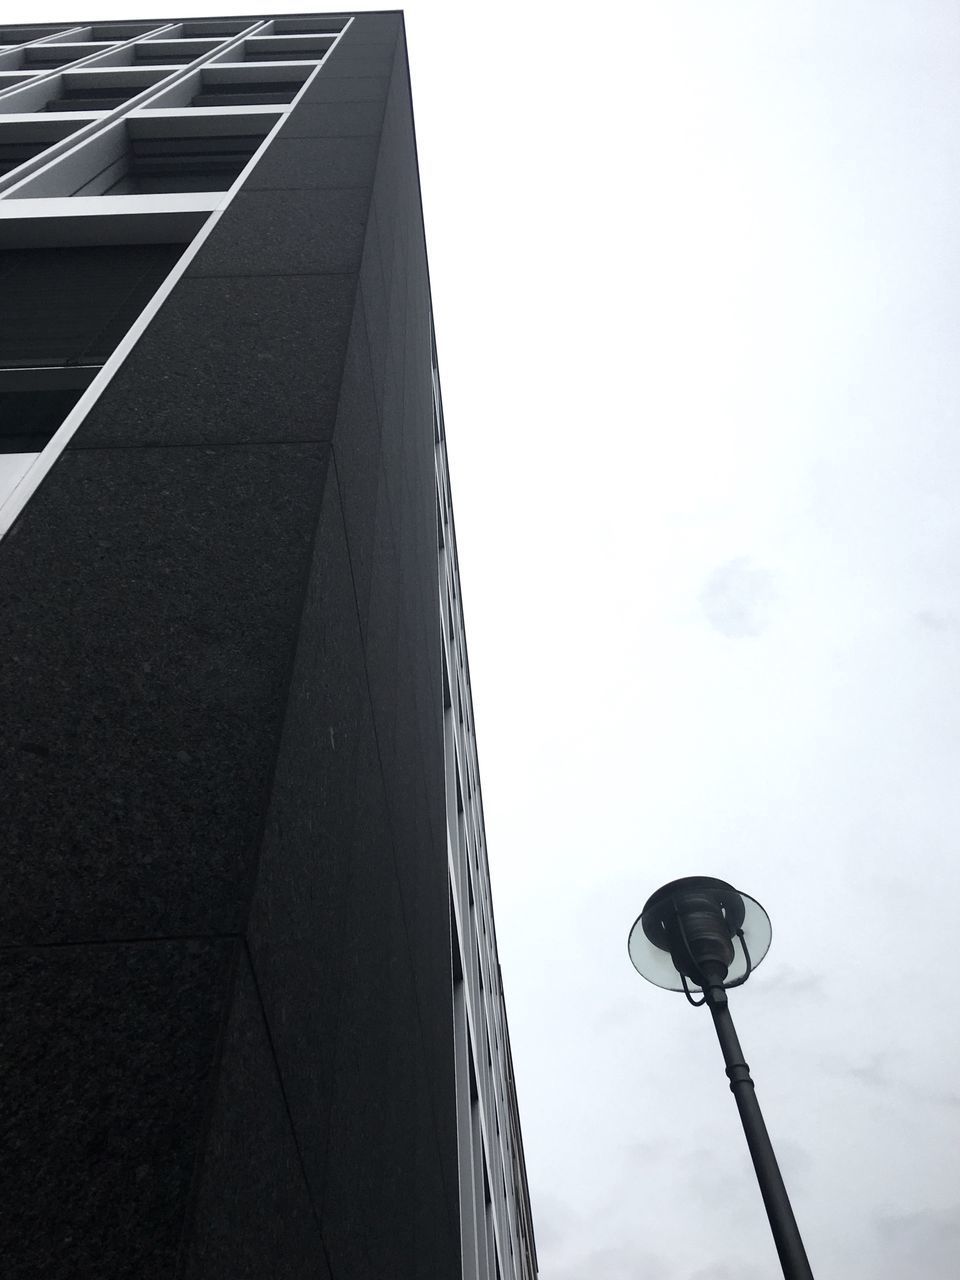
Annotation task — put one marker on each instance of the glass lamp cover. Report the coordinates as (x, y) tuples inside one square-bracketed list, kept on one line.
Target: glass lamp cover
[(655, 963)]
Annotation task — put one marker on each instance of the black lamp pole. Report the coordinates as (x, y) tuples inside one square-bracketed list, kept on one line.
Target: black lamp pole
[(688, 933), (786, 1233)]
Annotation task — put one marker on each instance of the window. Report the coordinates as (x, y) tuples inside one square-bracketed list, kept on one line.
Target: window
[(14, 154), (34, 402), (242, 93), (219, 29), (286, 48), (10, 78), (89, 97), (446, 681), (121, 30), (22, 35), (301, 26), (139, 155), (183, 164), (23, 140), (98, 88), (75, 304), (149, 53), (59, 55)]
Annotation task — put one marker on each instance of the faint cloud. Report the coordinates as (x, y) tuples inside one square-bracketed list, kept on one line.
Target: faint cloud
[(933, 621), (724, 1272), (564, 1241), (795, 982), (795, 1160), (554, 1220), (709, 1175), (924, 1243), (873, 1071), (615, 1264), (644, 1153), (738, 598)]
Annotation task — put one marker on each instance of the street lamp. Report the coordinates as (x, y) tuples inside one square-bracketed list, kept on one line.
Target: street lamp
[(701, 932)]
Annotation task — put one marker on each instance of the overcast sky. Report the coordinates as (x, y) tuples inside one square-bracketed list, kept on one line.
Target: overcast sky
[(695, 273)]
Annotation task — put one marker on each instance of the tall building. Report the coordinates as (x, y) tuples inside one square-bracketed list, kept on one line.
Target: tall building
[(252, 1016)]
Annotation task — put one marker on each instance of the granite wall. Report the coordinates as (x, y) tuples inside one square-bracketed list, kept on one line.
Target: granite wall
[(226, 980)]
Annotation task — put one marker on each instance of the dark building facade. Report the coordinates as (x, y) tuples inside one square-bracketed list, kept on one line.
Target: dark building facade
[(252, 1018)]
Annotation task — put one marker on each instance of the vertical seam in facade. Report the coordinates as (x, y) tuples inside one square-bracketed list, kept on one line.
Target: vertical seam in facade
[(211, 1089), (314, 1211)]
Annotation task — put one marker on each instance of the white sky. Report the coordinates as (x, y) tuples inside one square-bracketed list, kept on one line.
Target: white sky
[(695, 272)]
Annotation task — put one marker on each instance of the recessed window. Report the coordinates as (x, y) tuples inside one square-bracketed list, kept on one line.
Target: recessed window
[(97, 88), (59, 55), (121, 30), (23, 35), (92, 97), (74, 304), (306, 26), (229, 84), (285, 48), (22, 141), (247, 93), (169, 52), (220, 29), (101, 88), (136, 156), (9, 78), (43, 57), (195, 163), (34, 402), (447, 702)]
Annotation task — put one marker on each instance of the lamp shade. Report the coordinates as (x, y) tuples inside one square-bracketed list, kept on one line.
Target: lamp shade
[(694, 919)]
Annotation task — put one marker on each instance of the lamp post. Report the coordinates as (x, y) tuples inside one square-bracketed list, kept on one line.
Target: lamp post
[(701, 932)]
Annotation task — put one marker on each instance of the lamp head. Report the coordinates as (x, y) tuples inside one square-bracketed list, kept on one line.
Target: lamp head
[(701, 930)]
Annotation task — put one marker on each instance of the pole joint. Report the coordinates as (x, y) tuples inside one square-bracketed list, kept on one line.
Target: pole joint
[(739, 1073), (715, 995)]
